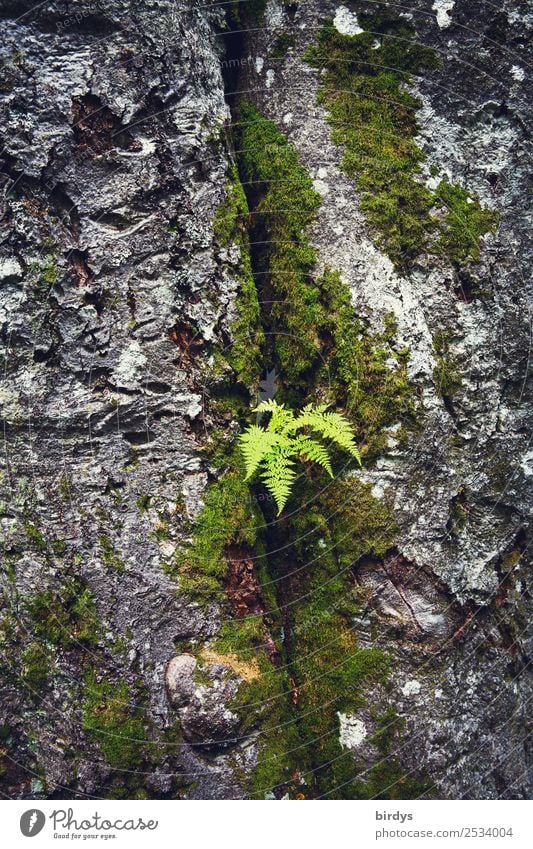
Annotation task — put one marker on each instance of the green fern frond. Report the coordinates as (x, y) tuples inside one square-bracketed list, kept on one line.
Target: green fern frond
[(268, 406), (335, 427), (332, 426)]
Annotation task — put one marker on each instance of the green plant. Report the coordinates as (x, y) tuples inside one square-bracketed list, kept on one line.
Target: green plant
[(274, 447)]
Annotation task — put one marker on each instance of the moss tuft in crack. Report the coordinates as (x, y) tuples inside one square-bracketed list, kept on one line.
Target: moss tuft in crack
[(322, 347), (330, 669), (228, 518), (446, 373), (230, 228), (108, 716), (284, 204), (373, 119), (321, 350)]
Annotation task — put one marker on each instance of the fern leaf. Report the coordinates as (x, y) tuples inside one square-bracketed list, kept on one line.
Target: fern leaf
[(314, 451), (255, 443), (279, 476)]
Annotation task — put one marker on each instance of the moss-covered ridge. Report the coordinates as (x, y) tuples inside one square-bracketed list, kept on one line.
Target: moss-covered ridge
[(321, 347), (230, 227), (320, 350), (373, 119)]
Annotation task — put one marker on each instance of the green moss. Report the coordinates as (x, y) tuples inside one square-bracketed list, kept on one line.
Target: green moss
[(161, 531), (49, 273), (230, 517), (466, 222), (511, 560), (321, 346), (65, 487), (35, 664), (143, 503), (230, 228), (265, 701), (387, 779), (373, 120), (109, 716), (59, 546), (312, 320), (330, 671), (364, 373), (39, 543), (48, 623), (446, 373), (35, 537), (202, 677)]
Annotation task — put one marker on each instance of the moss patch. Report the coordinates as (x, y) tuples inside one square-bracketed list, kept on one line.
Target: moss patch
[(282, 44), (331, 671), (373, 120), (284, 205), (322, 348), (365, 373), (63, 618), (387, 779), (466, 222), (46, 625), (36, 660), (263, 701), (108, 553)]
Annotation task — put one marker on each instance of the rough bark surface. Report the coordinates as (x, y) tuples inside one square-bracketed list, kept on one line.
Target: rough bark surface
[(116, 296)]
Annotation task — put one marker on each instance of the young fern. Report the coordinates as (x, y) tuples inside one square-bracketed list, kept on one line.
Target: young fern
[(274, 448)]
